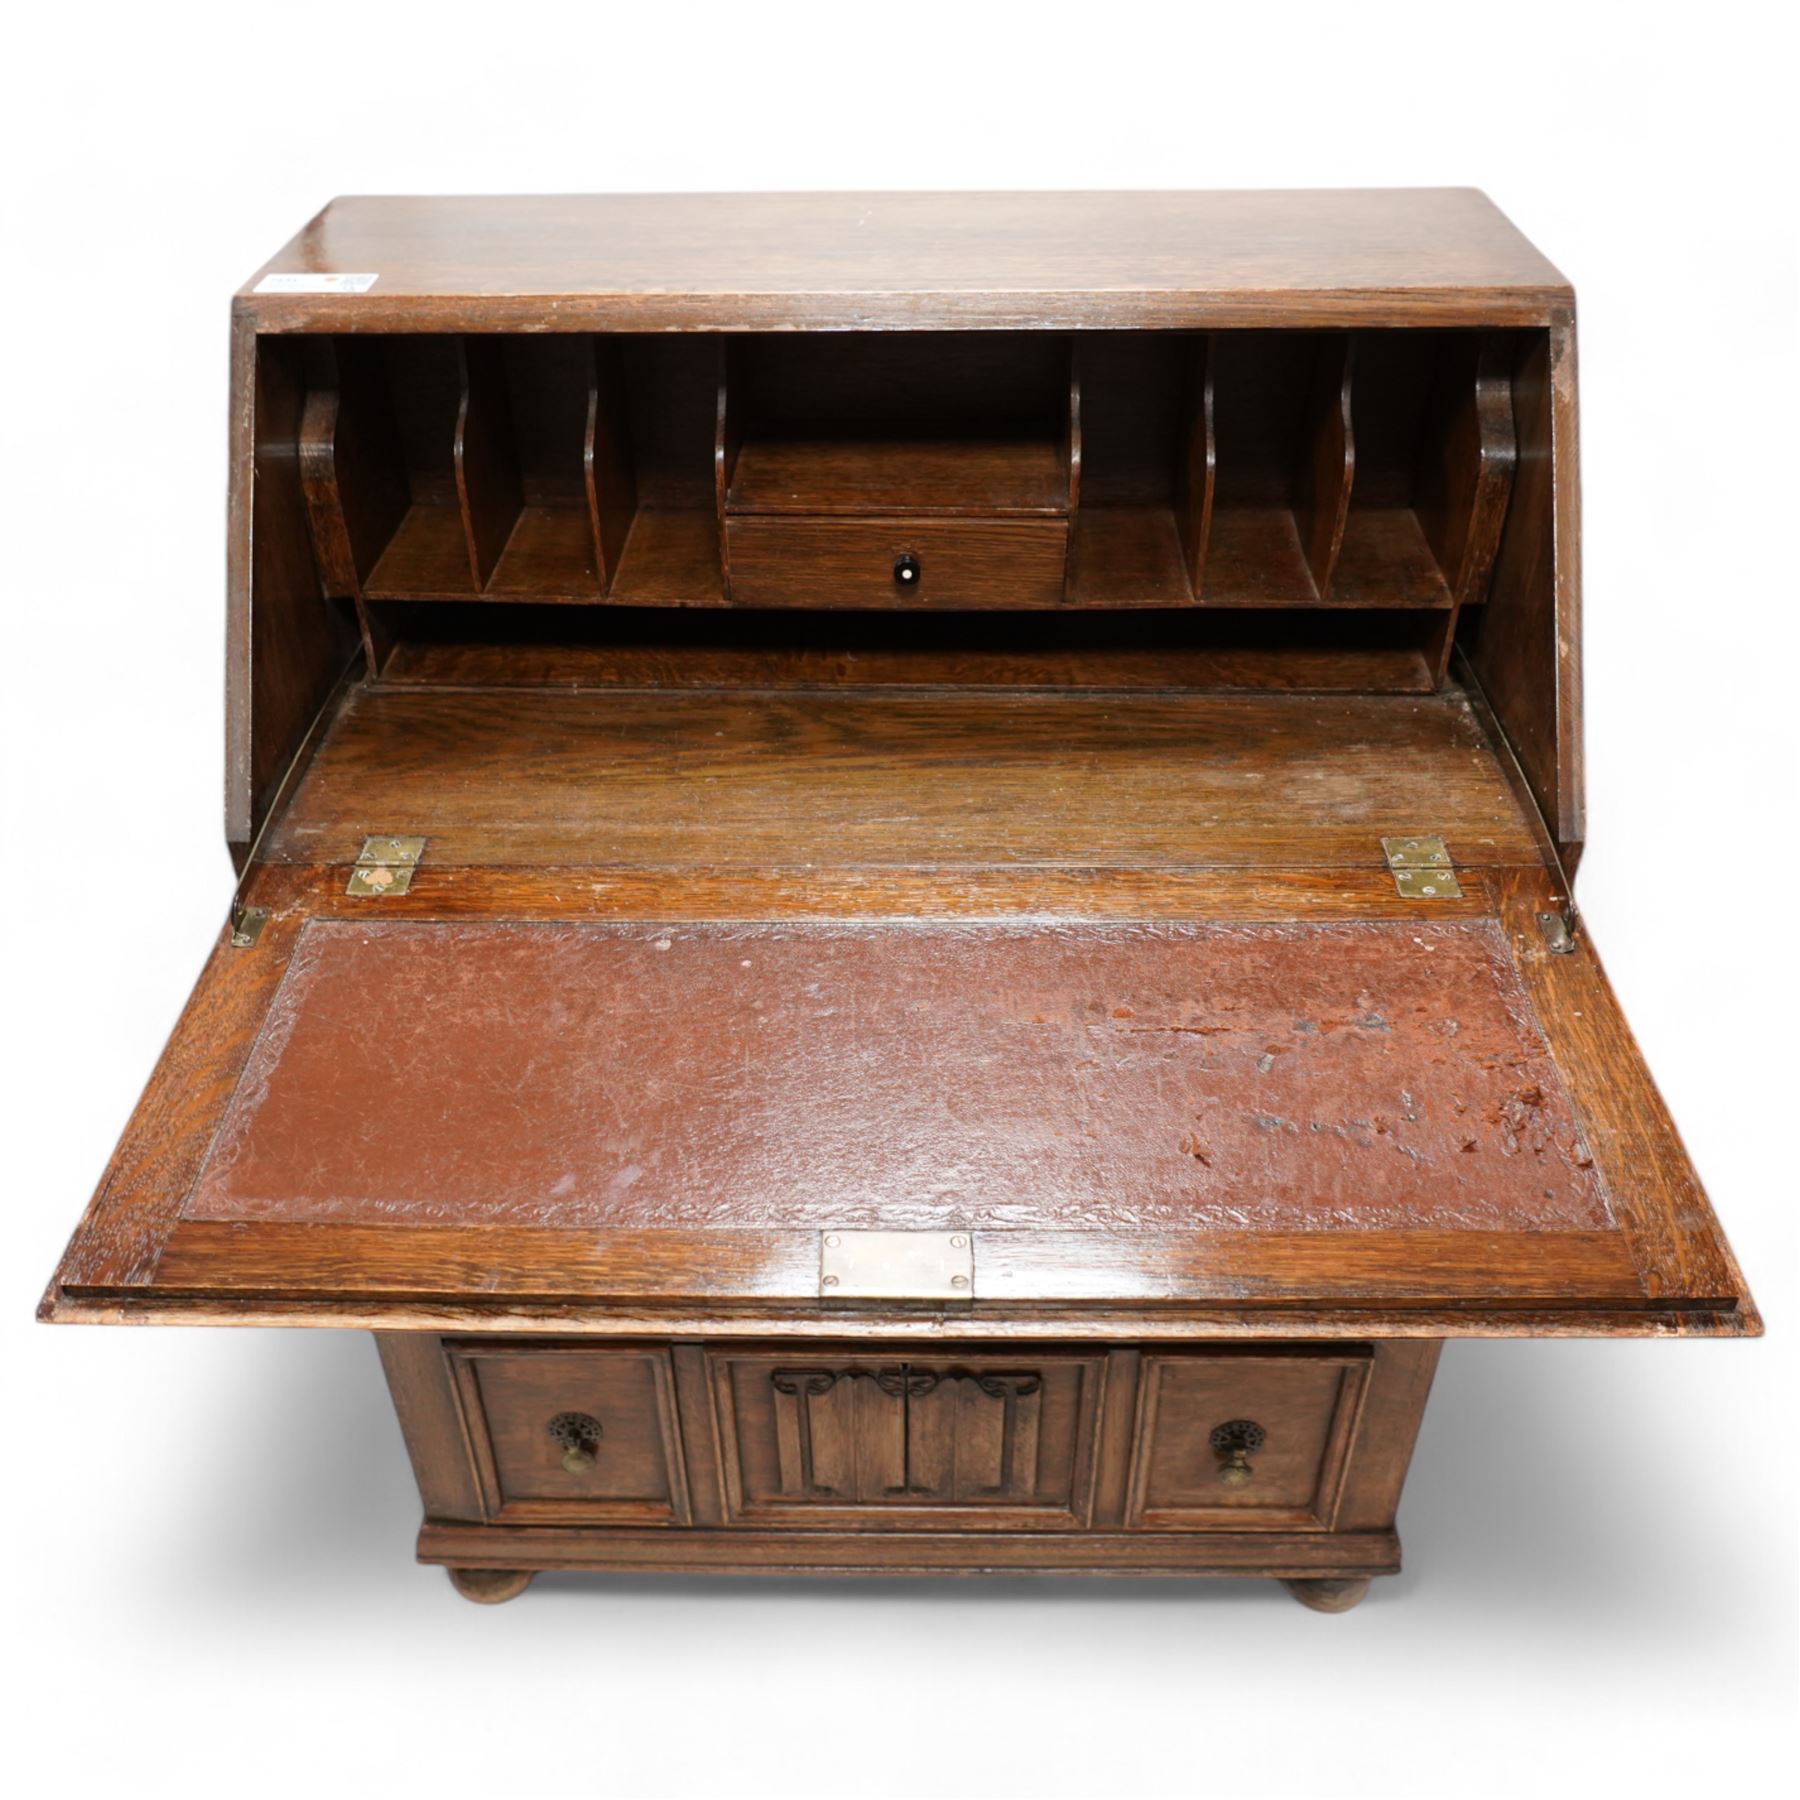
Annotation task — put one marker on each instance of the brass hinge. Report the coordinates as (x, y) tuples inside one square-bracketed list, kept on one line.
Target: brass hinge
[(1421, 868), (385, 866), (1559, 932), (896, 1265), (246, 923)]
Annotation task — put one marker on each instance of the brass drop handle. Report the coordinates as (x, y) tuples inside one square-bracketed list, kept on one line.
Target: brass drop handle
[(579, 1436), (1236, 1471), (1232, 1443)]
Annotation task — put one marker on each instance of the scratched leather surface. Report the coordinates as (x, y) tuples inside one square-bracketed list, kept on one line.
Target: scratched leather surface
[(1091, 1077)]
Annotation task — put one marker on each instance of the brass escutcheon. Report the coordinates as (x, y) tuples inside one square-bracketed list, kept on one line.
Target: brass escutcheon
[(1232, 1443), (579, 1435)]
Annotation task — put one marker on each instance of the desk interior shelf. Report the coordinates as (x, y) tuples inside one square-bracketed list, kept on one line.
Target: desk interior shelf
[(1275, 472)]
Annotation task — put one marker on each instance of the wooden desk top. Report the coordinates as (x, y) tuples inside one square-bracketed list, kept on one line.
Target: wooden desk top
[(758, 262)]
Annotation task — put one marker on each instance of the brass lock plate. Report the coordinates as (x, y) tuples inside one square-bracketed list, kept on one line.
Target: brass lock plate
[(896, 1265)]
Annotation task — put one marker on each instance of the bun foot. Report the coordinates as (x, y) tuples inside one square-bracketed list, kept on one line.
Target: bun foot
[(1327, 1596), (488, 1587)]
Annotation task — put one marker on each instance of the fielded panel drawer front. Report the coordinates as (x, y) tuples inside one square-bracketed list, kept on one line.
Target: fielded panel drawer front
[(1235, 1442), (572, 1436), (1001, 1439), (876, 1440)]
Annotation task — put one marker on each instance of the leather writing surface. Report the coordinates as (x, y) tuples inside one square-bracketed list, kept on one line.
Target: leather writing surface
[(1378, 1075)]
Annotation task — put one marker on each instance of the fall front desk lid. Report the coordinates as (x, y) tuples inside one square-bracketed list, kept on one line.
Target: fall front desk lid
[(1364, 1114)]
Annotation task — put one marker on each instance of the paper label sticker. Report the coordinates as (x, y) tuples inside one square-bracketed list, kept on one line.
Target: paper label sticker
[(315, 284)]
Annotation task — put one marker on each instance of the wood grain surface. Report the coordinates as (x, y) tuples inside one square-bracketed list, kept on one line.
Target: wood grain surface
[(1166, 651), (739, 262), (986, 780)]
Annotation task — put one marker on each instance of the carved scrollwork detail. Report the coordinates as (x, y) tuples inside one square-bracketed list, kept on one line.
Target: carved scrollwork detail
[(907, 1383), (806, 1381), (1004, 1387), (933, 1455), (904, 1381)]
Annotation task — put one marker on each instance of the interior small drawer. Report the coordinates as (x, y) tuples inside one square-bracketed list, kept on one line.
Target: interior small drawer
[(897, 562), (1238, 1441), (868, 1440), (572, 1435)]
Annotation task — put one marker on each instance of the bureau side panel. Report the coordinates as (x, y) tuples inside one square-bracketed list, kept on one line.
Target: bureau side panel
[(420, 1381), (1392, 1408), (285, 643)]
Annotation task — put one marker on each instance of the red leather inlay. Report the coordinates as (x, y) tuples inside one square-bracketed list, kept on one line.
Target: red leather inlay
[(1041, 1076)]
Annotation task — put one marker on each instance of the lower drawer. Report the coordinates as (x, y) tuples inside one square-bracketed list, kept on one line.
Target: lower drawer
[(572, 1436), (1229, 1441), (983, 563), (867, 1437), (871, 1441)]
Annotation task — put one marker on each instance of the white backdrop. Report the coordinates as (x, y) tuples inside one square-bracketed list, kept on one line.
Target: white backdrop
[(209, 1583)]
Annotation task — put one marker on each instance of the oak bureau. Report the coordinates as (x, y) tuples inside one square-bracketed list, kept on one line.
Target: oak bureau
[(905, 876)]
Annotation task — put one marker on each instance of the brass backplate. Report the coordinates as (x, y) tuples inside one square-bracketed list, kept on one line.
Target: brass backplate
[(385, 866), (896, 1265)]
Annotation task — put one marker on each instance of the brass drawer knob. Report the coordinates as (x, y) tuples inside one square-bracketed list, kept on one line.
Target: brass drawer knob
[(579, 1435), (1232, 1443)]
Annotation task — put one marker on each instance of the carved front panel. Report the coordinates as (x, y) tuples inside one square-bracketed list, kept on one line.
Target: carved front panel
[(907, 1432), (965, 1440)]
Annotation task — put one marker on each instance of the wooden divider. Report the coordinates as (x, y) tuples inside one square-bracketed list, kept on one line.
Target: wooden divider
[(728, 440), (1072, 437), (488, 488), (608, 474), (423, 483), (1199, 470), (1267, 399), (350, 474), (1464, 487), (318, 473), (1071, 456), (1322, 494)]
